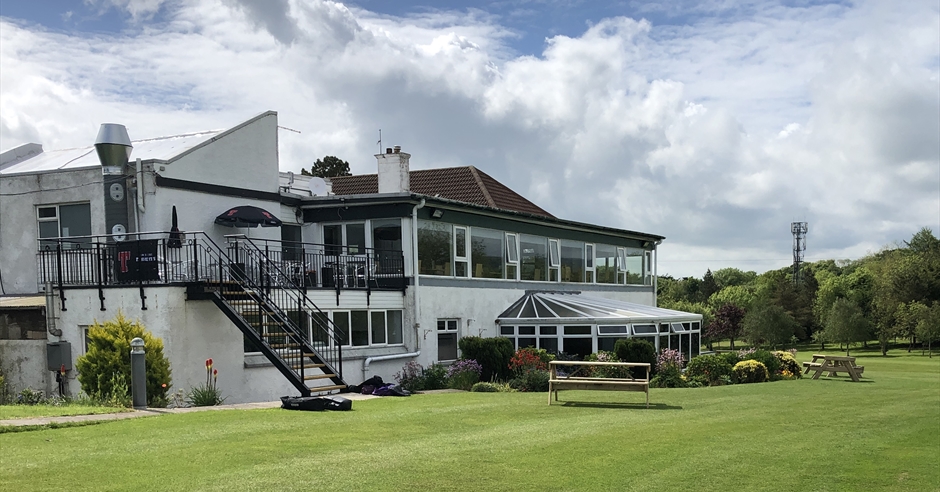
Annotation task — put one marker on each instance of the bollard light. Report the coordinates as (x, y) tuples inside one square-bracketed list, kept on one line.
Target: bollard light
[(138, 374)]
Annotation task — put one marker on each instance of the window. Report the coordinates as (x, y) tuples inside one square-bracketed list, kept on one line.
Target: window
[(292, 247), (554, 260), (648, 268), (512, 256), (605, 266), (532, 258), (631, 265), (360, 328), (446, 339), (385, 327), (486, 253), (572, 261), (435, 240), (543, 337), (64, 221), (348, 239), (578, 341), (461, 256), (386, 240)]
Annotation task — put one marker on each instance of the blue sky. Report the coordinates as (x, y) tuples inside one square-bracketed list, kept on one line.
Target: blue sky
[(713, 123)]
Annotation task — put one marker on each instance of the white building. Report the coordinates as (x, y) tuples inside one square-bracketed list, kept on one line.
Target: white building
[(363, 274)]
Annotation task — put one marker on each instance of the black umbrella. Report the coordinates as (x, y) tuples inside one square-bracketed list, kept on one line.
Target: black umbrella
[(247, 216), (175, 236)]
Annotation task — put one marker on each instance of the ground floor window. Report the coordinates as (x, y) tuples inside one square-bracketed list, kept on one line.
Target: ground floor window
[(353, 328), (447, 339), (583, 340)]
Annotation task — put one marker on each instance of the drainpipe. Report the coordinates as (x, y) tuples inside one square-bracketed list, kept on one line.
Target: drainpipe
[(50, 312), (365, 363), (414, 271)]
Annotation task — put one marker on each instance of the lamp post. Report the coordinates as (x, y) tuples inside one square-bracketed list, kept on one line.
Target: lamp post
[(138, 374)]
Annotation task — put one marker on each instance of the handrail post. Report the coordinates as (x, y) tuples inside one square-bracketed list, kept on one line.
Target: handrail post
[(100, 275), (58, 254)]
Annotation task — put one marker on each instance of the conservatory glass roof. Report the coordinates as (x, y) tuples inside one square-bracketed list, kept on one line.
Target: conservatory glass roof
[(555, 306)]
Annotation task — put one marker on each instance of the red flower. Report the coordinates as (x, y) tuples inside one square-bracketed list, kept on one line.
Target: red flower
[(215, 372)]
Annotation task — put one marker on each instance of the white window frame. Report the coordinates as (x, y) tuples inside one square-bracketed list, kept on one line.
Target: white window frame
[(621, 266), (554, 259), (589, 262), (465, 257), (512, 255), (451, 325)]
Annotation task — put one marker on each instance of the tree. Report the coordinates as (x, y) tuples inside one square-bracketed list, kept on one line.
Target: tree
[(769, 326), (846, 324), (739, 295), (727, 323), (108, 360), (709, 285), (928, 326), (727, 277), (329, 167)]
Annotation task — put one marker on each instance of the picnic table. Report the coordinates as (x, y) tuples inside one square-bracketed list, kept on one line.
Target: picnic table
[(832, 365)]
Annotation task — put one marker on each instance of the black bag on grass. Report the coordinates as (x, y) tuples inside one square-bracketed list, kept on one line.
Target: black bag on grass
[(338, 403), (314, 403)]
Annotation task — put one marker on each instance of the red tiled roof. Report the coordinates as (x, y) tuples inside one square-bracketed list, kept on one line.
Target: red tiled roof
[(464, 184)]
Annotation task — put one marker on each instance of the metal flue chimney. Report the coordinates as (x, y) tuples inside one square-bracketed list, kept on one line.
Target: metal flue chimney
[(114, 148)]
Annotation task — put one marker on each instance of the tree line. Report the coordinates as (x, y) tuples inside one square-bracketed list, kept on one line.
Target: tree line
[(892, 297)]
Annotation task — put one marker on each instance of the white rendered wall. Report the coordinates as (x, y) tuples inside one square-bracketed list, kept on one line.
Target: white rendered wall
[(192, 331), (19, 229), (243, 157), (24, 366)]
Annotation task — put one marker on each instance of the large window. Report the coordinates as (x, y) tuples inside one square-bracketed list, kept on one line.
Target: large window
[(605, 266), (532, 258), (512, 256), (461, 251), (572, 261), (486, 250), (359, 328), (631, 265), (64, 221), (435, 241), (292, 239)]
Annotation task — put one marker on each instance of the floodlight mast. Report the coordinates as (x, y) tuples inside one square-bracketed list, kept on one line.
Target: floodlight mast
[(799, 230)]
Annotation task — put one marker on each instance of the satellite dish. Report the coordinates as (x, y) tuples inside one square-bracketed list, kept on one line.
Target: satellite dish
[(317, 186)]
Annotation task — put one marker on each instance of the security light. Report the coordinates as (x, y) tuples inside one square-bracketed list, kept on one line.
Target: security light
[(437, 213)]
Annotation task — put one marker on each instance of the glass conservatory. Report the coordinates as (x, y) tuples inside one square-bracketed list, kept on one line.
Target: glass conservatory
[(577, 324)]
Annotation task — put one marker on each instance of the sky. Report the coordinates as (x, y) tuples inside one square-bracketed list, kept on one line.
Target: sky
[(714, 123)]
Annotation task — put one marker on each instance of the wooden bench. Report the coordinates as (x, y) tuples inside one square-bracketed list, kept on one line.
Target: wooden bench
[(573, 381)]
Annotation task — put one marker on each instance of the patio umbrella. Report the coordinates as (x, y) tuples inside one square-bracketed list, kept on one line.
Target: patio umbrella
[(175, 236), (247, 216)]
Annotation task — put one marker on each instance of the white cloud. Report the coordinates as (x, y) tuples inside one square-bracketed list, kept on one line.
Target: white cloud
[(715, 134)]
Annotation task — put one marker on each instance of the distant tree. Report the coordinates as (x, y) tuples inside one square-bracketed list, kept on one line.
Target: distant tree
[(727, 277), (769, 326), (846, 324), (928, 326), (709, 285), (924, 242), (329, 167), (727, 322), (739, 295)]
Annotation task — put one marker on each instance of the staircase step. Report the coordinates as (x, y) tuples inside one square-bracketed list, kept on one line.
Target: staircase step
[(279, 334), (324, 389), (319, 376), (284, 345), (307, 366)]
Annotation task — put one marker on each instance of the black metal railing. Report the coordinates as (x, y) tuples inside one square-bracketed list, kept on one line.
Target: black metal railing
[(90, 261), (286, 304)]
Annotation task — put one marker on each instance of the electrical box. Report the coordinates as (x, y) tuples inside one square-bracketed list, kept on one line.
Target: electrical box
[(59, 354)]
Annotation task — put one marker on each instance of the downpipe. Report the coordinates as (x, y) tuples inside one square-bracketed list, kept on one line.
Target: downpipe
[(369, 360)]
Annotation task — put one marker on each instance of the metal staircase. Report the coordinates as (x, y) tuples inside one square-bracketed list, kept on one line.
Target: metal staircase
[(275, 315)]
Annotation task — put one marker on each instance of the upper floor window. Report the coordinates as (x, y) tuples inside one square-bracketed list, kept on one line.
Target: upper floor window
[(486, 253), (435, 243), (64, 221), (532, 258)]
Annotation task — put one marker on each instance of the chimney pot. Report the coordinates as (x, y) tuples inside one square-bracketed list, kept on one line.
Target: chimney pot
[(397, 149), (388, 150)]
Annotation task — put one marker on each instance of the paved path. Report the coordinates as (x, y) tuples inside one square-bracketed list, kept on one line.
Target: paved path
[(150, 412)]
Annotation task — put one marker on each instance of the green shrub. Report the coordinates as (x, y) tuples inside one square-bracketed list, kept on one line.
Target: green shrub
[(411, 376), (668, 377), (491, 353), (635, 350), (531, 381), (435, 376), (731, 358), (606, 371), (709, 369), (109, 354), (463, 374), (484, 387), (789, 367), (767, 358), (749, 371)]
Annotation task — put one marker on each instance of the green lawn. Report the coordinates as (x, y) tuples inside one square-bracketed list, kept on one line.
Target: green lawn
[(829, 434), (28, 411)]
